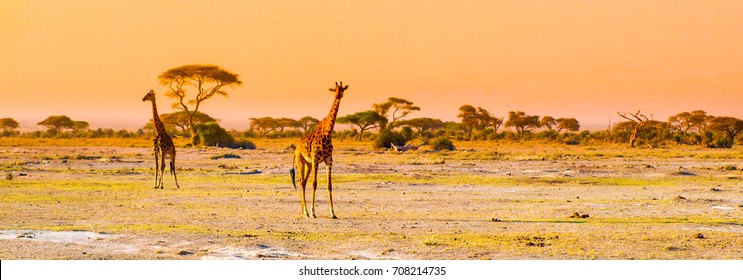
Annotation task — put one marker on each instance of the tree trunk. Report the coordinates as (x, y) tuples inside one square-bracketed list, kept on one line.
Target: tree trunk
[(194, 135), (639, 120), (633, 137), (732, 138)]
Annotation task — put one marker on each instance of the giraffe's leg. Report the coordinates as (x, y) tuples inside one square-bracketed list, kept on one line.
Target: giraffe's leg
[(162, 168), (307, 171), (157, 167), (303, 183), (172, 168), (314, 187), (328, 167)]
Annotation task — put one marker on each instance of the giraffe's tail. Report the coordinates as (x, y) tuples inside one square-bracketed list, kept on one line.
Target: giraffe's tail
[(292, 171), (172, 167)]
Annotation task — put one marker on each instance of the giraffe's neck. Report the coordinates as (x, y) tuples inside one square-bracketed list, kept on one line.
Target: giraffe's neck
[(159, 126), (329, 121)]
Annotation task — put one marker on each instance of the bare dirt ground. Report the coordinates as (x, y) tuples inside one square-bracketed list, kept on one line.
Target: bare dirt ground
[(482, 201)]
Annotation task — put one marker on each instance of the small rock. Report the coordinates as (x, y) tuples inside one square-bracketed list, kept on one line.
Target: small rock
[(700, 236), (579, 215), (495, 220)]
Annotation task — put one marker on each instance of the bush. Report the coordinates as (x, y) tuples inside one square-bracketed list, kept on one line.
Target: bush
[(724, 143), (211, 134), (243, 144), (442, 143), (348, 134), (388, 137), (407, 132)]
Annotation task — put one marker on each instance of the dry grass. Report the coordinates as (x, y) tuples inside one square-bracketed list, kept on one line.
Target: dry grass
[(482, 201)]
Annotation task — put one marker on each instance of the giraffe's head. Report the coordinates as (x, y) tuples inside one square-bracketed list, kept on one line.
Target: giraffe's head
[(339, 89), (149, 96)]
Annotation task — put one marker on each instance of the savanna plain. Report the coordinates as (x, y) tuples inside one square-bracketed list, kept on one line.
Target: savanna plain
[(93, 199)]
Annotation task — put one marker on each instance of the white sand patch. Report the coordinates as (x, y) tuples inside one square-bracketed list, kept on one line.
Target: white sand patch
[(261, 252), (96, 240), (386, 255), (77, 237), (722, 207)]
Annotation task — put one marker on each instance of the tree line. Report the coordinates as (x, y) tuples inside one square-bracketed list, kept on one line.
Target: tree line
[(385, 125), (388, 123)]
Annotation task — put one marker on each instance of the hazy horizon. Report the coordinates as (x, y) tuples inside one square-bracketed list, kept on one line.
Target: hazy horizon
[(94, 60)]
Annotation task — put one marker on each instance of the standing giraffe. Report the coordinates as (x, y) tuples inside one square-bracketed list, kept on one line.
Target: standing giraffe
[(163, 145), (315, 148)]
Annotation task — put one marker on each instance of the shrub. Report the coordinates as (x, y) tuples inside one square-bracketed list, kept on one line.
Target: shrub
[(442, 143), (729, 167), (348, 134), (724, 143), (406, 132), (211, 134), (388, 137), (243, 144)]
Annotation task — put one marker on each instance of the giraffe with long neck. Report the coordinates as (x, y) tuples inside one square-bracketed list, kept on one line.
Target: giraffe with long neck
[(315, 148), (163, 145)]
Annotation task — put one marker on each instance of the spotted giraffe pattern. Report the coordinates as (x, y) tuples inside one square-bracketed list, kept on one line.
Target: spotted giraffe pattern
[(316, 148), (163, 145)]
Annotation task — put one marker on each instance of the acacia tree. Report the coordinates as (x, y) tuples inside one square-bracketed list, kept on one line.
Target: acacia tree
[(8, 124), (364, 120), (490, 120), (263, 125), (568, 124), (307, 123), (80, 126), (700, 120), (398, 107), (56, 123), (470, 119), (205, 80), (180, 120), (477, 119), (522, 122), (423, 124), (681, 122), (548, 122), (728, 125), (284, 123)]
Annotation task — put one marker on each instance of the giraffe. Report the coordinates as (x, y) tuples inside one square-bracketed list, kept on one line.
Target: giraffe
[(163, 145), (315, 148)]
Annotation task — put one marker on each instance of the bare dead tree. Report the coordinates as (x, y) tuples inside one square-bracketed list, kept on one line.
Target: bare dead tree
[(640, 121)]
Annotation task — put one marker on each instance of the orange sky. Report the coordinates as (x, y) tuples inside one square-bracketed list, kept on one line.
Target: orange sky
[(94, 60)]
